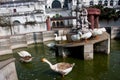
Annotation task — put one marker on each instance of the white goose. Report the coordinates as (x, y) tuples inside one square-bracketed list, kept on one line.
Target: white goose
[(86, 35), (62, 67), (64, 38), (75, 37), (97, 31), (25, 56), (50, 45), (102, 29), (59, 38)]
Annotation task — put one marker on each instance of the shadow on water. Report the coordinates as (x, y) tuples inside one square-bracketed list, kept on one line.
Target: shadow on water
[(102, 67)]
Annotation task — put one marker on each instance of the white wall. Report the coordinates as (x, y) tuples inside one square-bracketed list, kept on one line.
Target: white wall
[(22, 29)]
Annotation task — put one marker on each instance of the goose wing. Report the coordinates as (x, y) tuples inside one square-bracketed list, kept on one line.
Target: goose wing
[(75, 37), (64, 37), (86, 35), (102, 29), (64, 66), (24, 53), (96, 32), (58, 38)]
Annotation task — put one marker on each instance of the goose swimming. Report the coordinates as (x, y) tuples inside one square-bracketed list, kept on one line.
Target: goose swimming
[(63, 68), (25, 56)]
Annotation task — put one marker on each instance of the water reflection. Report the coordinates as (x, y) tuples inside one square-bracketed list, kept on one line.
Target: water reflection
[(102, 67)]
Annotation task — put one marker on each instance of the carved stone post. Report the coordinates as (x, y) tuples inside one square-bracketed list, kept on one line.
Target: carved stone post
[(48, 23), (93, 14)]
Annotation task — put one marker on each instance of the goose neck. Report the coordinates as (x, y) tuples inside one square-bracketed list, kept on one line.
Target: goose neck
[(55, 35), (50, 64)]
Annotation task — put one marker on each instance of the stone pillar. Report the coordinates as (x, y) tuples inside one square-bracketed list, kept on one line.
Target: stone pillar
[(48, 22), (88, 51), (93, 14), (96, 21), (92, 21), (108, 46), (103, 47)]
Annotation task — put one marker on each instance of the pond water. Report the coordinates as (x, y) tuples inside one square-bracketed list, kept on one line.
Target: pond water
[(102, 67)]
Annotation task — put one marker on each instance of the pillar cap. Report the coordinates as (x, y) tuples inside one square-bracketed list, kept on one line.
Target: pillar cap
[(93, 11)]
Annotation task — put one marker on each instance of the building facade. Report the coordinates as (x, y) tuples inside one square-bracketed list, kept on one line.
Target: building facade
[(22, 11)]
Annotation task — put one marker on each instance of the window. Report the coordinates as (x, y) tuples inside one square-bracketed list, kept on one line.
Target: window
[(58, 24), (53, 24), (105, 3), (61, 23), (14, 10), (16, 22), (119, 2), (56, 4), (100, 2), (91, 3), (45, 6), (111, 3)]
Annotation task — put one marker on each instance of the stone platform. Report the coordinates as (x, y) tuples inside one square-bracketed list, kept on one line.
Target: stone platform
[(102, 44)]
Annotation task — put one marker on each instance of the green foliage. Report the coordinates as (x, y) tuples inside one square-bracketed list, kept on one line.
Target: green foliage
[(57, 16), (107, 13)]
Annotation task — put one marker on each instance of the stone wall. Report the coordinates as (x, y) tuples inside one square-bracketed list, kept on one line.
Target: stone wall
[(23, 40), (22, 29), (115, 32), (5, 46), (17, 41)]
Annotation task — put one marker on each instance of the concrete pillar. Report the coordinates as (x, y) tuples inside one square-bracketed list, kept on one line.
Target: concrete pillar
[(93, 14), (48, 22), (108, 46), (92, 21), (88, 51), (103, 46), (96, 21)]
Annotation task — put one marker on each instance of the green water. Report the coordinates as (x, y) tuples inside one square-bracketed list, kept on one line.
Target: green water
[(102, 67)]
